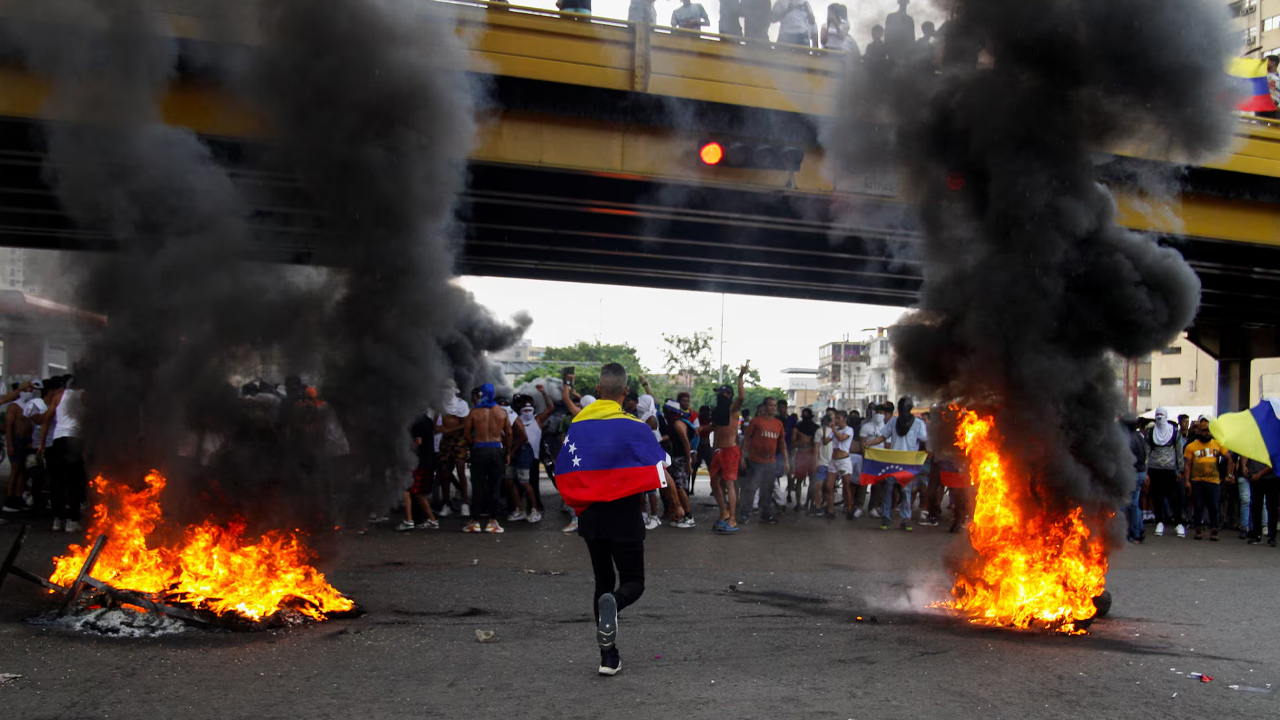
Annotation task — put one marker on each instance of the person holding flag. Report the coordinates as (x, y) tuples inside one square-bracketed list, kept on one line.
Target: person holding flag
[(902, 459), (607, 463)]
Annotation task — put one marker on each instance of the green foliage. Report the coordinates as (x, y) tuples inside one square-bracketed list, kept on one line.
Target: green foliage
[(586, 377), (688, 357)]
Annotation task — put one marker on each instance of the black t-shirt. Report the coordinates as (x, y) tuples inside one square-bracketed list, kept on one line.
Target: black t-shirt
[(616, 520)]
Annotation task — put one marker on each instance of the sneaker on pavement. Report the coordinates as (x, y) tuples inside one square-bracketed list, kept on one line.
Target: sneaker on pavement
[(930, 521), (884, 523), (571, 528), (494, 528), (906, 526), (428, 525), (516, 516), (13, 505), (1181, 530), (1213, 535), (687, 522), (652, 523), (465, 511), (1255, 541), (874, 512), (1159, 528), (534, 517), (73, 526), (1199, 533), (471, 527), (610, 662), (444, 511), (404, 525), (57, 525), (858, 513), (607, 625)]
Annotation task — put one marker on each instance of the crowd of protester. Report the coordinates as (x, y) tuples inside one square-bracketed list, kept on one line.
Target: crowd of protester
[(1187, 480), (482, 459)]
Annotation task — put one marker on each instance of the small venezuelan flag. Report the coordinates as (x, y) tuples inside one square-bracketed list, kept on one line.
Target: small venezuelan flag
[(1254, 433), (607, 455), (1251, 77), (951, 474), (902, 465)]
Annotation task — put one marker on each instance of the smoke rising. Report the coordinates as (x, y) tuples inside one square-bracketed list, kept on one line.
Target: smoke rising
[(369, 112), (1028, 280)]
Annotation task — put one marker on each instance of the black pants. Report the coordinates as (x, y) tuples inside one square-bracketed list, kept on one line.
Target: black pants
[(1206, 497), (628, 557), (1167, 486), (67, 480), (487, 468), (1267, 489)]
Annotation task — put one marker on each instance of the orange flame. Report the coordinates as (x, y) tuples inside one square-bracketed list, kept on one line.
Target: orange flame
[(211, 567), (1031, 569)]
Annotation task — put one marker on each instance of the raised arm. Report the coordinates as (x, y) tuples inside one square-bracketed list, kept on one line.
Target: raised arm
[(735, 409), (567, 396), (542, 416)]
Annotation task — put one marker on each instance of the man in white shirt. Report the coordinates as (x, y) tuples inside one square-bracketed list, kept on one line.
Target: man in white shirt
[(796, 23), (906, 432), (872, 429)]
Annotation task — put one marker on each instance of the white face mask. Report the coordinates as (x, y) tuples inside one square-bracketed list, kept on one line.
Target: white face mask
[(25, 396), (879, 418), (527, 413)]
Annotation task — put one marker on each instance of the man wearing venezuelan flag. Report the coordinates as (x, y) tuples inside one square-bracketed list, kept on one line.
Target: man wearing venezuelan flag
[(608, 461)]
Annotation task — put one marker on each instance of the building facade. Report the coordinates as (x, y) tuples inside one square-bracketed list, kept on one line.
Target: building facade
[(522, 351), (1184, 378), (1258, 25), (853, 373)]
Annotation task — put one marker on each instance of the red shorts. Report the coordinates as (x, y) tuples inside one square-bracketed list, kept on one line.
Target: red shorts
[(802, 464), (725, 463), (421, 481)]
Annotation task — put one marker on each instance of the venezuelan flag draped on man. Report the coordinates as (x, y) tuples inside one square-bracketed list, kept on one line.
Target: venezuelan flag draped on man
[(1254, 433), (607, 455), (1251, 78)]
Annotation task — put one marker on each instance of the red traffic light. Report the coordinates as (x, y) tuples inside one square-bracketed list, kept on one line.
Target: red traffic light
[(711, 153)]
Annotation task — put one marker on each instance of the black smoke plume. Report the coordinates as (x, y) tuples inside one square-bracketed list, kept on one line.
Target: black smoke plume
[(368, 112), (1029, 282)]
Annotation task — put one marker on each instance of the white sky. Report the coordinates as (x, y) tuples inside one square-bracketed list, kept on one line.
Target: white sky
[(772, 333), (863, 14)]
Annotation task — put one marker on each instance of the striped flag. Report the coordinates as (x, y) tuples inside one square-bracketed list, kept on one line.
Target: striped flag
[(1251, 78), (902, 465), (1254, 433), (607, 455)]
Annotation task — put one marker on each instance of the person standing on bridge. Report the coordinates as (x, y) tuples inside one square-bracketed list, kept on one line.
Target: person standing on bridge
[(608, 461), (900, 35), (796, 22), (755, 19), (642, 11), (690, 16), (730, 18), (574, 7)]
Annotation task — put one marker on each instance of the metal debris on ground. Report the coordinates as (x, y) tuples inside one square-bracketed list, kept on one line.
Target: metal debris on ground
[(486, 636), (1249, 688), (8, 678)]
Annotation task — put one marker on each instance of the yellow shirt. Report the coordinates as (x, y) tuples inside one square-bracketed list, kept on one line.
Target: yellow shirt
[(1204, 460)]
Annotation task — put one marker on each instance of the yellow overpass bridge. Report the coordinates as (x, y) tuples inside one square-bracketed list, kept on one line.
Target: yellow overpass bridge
[(587, 171)]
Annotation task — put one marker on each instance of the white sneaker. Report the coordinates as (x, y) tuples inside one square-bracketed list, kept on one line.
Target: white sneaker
[(427, 525), (571, 528), (875, 512), (1181, 530), (73, 526), (1159, 528), (466, 510), (57, 525), (535, 517), (652, 523), (493, 528), (516, 516), (445, 511), (857, 513), (404, 525), (687, 522)]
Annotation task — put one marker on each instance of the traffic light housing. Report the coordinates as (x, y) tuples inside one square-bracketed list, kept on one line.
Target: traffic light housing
[(756, 155)]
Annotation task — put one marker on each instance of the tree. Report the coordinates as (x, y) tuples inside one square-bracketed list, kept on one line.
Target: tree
[(586, 377), (688, 358)]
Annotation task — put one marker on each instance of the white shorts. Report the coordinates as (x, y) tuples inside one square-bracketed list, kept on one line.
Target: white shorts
[(842, 466)]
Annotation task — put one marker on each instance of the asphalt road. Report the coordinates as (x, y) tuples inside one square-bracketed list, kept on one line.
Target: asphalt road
[(762, 624)]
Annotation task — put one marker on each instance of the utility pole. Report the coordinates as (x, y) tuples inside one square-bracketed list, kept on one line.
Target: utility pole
[(721, 363)]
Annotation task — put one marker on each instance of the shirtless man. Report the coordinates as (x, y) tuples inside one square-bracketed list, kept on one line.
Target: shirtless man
[(724, 465), (488, 432)]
